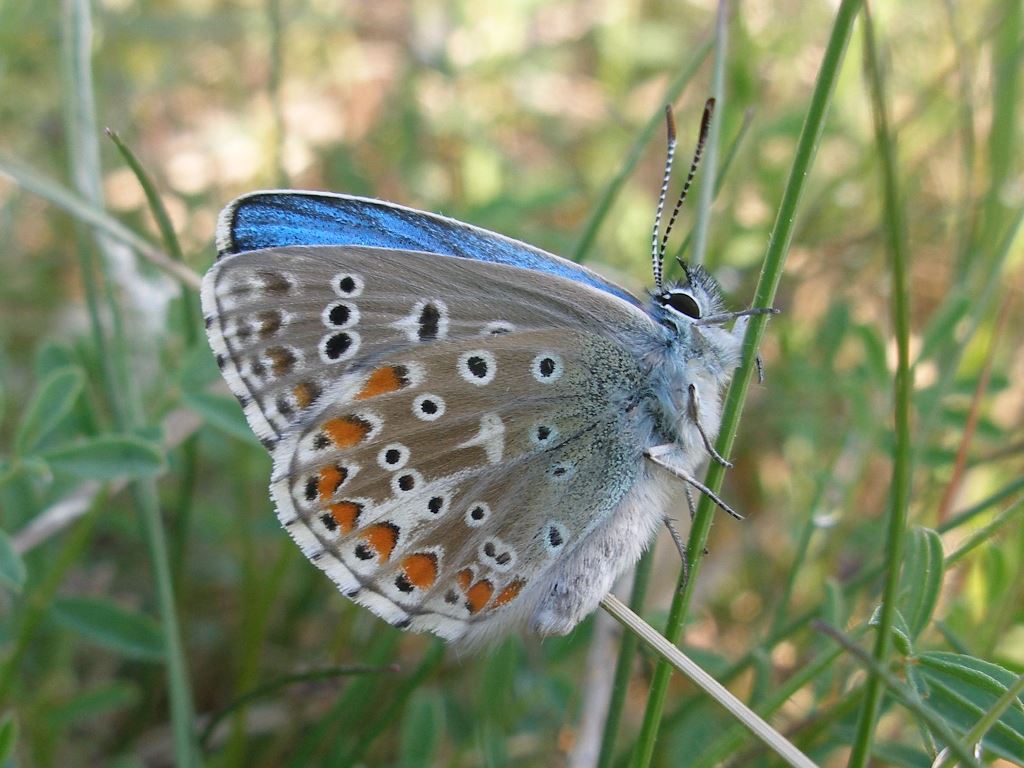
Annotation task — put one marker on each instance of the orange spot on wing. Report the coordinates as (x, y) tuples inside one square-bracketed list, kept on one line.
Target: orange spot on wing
[(382, 537), (478, 595), (509, 593), (389, 378), (346, 514), (346, 431), (331, 478), (305, 393), (464, 577), (421, 569)]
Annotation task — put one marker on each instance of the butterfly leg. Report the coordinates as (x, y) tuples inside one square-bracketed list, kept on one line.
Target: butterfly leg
[(694, 409), (690, 503), (657, 456), (684, 550), (677, 539)]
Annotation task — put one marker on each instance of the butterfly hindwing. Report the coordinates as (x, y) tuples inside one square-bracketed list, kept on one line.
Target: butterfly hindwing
[(424, 484), (286, 323), (278, 219)]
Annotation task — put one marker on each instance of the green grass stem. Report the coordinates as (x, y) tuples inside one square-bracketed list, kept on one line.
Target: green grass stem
[(771, 273), (121, 392), (190, 324), (896, 523)]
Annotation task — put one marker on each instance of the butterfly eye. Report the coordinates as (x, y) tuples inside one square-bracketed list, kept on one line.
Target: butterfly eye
[(681, 302)]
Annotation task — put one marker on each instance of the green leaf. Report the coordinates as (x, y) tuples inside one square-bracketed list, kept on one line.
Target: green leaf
[(106, 457), (130, 634), (900, 631), (51, 357), (921, 582), (422, 726), (52, 401), (96, 702), (8, 737), (962, 688), (12, 567)]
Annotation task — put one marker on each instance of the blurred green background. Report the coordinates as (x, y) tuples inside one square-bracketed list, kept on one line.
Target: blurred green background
[(127, 471)]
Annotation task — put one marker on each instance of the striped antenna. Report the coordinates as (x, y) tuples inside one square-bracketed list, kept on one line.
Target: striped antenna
[(656, 252), (705, 125)]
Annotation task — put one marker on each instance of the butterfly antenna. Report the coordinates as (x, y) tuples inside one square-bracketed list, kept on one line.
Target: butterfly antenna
[(705, 125), (656, 252)]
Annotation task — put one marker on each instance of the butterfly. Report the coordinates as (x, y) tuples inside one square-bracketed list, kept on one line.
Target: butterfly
[(468, 434)]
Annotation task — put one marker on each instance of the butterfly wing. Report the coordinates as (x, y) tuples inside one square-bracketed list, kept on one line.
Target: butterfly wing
[(440, 487), (285, 218), (285, 323), (447, 433)]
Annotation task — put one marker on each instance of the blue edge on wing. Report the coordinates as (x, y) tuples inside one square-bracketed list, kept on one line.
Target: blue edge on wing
[(278, 219)]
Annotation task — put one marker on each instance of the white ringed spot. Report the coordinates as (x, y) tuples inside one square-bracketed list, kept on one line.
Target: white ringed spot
[(428, 407), (547, 367), (336, 347), (347, 284), (340, 315), (437, 504), (477, 366), (554, 535), (406, 481), (393, 456), (543, 434), (497, 555), (477, 514)]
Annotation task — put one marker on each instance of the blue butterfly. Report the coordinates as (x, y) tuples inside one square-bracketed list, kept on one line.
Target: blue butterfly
[(468, 433)]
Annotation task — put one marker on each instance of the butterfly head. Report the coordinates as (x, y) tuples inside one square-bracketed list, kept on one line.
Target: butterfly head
[(681, 304), (693, 312)]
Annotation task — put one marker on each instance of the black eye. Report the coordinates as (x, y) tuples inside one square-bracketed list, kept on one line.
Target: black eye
[(683, 303)]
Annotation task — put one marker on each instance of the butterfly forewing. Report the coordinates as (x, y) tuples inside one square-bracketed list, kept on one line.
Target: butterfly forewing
[(287, 323), (424, 483)]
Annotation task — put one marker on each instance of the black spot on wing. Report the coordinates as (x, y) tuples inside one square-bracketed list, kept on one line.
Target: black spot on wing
[(429, 322)]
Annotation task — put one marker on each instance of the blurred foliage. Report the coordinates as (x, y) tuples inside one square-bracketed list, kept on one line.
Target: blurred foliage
[(515, 117)]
